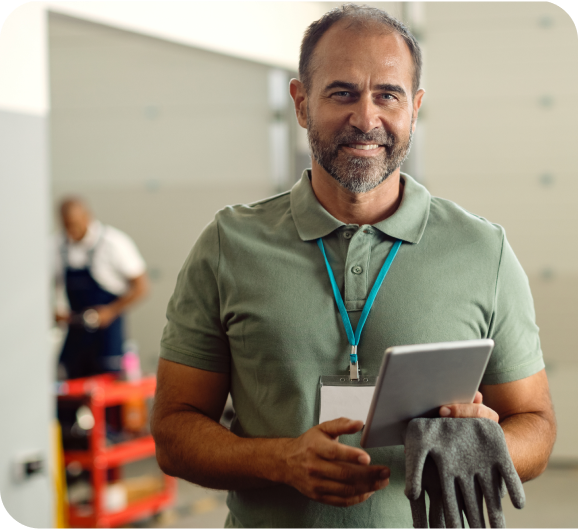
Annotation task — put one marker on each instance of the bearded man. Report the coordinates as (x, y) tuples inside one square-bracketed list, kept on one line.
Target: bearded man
[(253, 313)]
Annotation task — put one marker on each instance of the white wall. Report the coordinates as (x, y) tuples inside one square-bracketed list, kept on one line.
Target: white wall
[(267, 32), (25, 372), (23, 61)]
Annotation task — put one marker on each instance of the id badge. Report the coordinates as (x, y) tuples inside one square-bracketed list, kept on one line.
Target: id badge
[(340, 396)]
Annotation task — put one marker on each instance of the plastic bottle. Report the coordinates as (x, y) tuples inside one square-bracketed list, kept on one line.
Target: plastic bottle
[(134, 411), (131, 370)]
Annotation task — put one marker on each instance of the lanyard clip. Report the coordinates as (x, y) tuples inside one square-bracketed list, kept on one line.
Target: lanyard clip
[(353, 364)]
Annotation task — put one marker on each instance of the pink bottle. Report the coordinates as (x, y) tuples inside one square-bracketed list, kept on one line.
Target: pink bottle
[(131, 365)]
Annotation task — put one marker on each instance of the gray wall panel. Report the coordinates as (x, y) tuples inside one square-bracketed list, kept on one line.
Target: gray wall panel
[(27, 370)]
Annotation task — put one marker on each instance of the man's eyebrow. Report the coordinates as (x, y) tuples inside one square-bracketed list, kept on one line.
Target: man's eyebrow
[(391, 88), (342, 84), (386, 87)]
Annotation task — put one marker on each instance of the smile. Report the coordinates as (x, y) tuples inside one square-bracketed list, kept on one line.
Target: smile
[(362, 147)]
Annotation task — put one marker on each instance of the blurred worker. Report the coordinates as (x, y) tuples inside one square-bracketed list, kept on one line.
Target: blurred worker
[(102, 273)]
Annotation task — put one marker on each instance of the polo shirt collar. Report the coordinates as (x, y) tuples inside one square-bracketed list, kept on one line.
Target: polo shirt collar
[(408, 223)]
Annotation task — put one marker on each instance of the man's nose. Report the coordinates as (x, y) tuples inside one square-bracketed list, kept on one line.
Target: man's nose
[(365, 115)]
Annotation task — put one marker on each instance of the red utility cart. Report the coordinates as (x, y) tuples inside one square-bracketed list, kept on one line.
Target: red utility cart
[(99, 392)]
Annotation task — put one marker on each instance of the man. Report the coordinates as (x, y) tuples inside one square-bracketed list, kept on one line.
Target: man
[(253, 312), (102, 273)]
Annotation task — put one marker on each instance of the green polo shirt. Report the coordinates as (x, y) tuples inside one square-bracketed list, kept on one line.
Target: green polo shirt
[(254, 299)]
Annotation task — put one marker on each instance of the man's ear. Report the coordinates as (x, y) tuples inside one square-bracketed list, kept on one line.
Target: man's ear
[(417, 100), (299, 95)]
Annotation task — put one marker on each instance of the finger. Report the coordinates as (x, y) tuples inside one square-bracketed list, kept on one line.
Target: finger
[(418, 511), (452, 512), (334, 451), (450, 499), (461, 503), (514, 485), (338, 501), (436, 511), (491, 494), (467, 411), (479, 398), (347, 490), (341, 426), (432, 486), (415, 458), (480, 501), (348, 472), (414, 470), (473, 506)]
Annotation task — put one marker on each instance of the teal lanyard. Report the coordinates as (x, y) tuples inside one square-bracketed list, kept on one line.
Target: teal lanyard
[(351, 337)]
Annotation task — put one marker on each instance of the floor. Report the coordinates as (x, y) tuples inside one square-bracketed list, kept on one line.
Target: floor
[(551, 501)]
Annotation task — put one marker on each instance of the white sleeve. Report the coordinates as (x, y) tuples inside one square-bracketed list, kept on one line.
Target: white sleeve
[(127, 260)]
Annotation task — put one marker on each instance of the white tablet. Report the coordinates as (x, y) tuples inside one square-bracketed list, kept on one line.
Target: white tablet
[(415, 380)]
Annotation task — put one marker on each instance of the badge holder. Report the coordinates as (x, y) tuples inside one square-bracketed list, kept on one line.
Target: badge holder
[(347, 396)]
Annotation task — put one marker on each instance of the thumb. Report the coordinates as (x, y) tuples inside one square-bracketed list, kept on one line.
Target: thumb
[(340, 426)]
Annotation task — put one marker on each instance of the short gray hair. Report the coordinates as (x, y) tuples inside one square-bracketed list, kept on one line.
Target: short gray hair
[(359, 15)]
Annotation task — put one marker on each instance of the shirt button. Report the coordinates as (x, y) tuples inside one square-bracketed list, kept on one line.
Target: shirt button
[(347, 234), (357, 269)]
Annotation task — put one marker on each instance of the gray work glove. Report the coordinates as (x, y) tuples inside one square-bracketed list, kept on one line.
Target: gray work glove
[(459, 462)]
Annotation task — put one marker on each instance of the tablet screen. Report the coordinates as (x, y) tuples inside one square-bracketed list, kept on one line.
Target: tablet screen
[(415, 380)]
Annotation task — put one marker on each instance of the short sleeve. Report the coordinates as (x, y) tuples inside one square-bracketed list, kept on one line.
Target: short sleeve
[(194, 335), (128, 261), (517, 353)]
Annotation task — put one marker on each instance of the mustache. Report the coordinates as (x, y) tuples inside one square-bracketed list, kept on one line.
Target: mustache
[(379, 137)]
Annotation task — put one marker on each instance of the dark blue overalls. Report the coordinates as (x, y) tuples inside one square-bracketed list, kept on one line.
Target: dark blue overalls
[(89, 352)]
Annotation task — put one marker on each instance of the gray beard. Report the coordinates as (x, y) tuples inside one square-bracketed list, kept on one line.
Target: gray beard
[(355, 173)]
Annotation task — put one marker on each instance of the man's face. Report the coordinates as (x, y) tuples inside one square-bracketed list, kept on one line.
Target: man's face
[(359, 112), (75, 220)]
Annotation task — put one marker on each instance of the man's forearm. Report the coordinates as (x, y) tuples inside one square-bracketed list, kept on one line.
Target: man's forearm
[(193, 447), (137, 290), (530, 437)]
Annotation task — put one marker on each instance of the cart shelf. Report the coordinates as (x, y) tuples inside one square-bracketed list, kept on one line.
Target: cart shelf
[(98, 393), (139, 509), (115, 456)]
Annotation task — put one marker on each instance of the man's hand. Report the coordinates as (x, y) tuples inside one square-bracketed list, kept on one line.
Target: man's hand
[(106, 315), (329, 472), (524, 411), (138, 288), (61, 317), (475, 410)]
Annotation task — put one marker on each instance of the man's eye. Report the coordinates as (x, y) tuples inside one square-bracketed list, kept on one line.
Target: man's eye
[(387, 96), (342, 94)]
